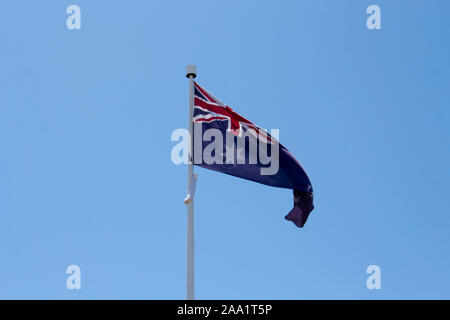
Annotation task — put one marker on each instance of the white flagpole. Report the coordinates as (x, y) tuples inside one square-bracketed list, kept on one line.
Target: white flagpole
[(191, 73)]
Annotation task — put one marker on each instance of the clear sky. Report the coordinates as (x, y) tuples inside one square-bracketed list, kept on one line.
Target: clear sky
[(86, 176)]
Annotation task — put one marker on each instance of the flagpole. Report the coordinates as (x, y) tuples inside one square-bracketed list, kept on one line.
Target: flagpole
[(191, 73)]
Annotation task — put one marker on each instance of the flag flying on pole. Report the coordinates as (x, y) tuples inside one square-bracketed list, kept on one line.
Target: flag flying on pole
[(226, 142)]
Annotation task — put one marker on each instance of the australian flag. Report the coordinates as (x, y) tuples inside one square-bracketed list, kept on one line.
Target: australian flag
[(226, 142)]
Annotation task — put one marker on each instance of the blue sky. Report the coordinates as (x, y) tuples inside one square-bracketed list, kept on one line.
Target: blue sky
[(86, 177)]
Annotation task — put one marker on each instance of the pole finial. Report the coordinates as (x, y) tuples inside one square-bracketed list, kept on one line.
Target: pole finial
[(191, 70)]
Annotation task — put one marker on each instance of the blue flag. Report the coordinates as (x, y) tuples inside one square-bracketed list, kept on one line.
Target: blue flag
[(226, 142)]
